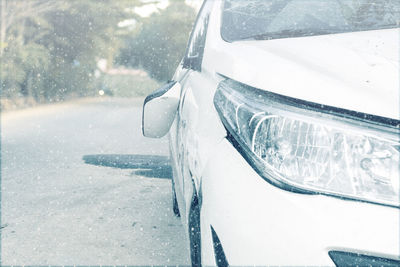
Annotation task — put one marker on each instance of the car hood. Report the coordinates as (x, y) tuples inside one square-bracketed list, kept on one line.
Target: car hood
[(357, 71)]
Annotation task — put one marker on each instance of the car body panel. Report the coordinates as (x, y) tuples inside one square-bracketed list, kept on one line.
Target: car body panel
[(362, 68), (354, 71), (260, 224), (256, 222), (192, 135)]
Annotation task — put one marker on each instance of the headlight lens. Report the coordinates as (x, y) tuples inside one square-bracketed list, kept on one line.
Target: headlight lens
[(305, 147)]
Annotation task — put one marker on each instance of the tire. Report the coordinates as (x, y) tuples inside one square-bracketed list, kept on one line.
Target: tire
[(175, 207), (194, 231), (219, 254)]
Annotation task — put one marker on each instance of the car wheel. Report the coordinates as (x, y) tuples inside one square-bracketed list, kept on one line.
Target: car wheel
[(194, 231), (175, 207)]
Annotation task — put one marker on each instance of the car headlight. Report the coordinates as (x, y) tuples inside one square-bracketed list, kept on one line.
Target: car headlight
[(310, 148)]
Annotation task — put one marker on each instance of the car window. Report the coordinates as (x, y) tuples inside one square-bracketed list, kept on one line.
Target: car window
[(260, 19), (195, 50)]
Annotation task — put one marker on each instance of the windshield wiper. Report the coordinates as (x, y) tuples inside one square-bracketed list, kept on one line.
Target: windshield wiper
[(289, 33)]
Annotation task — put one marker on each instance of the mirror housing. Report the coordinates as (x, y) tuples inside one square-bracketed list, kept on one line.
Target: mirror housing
[(159, 110)]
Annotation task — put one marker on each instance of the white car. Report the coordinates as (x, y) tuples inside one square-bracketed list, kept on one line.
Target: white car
[(283, 122)]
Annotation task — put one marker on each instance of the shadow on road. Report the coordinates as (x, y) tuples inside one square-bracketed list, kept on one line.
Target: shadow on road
[(147, 165)]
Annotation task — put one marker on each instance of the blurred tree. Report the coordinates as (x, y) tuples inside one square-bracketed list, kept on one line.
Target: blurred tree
[(160, 41), (15, 12), (81, 34), (49, 49), (21, 57)]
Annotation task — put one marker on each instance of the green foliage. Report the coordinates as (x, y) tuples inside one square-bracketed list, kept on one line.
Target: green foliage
[(51, 47), (161, 41), (128, 85)]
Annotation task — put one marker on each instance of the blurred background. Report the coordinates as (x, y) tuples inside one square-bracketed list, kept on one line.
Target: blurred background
[(52, 51), (80, 185)]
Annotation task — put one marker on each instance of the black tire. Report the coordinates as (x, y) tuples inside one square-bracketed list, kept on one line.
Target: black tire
[(194, 231), (175, 207)]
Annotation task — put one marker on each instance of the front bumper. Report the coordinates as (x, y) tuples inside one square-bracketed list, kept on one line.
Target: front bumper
[(260, 224)]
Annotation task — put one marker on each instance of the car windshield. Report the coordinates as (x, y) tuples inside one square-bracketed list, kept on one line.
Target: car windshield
[(274, 19)]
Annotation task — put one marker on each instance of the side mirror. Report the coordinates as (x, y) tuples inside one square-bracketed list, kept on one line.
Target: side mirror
[(159, 110)]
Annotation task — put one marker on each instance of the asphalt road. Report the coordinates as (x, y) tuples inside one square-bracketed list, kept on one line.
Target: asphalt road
[(71, 193)]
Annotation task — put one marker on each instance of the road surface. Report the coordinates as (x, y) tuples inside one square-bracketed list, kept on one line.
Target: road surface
[(59, 209)]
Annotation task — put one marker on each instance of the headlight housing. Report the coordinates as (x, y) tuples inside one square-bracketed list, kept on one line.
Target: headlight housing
[(310, 148)]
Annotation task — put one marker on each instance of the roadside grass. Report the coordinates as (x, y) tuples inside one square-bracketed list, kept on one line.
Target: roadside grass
[(128, 85)]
